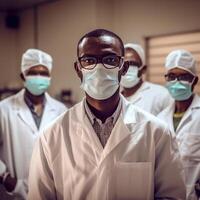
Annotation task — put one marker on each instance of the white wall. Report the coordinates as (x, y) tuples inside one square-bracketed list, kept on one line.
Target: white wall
[(25, 35), (62, 23), (8, 54), (134, 20)]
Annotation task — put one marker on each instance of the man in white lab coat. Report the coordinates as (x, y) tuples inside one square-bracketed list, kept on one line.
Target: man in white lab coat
[(22, 117), (183, 115), (151, 97), (104, 147)]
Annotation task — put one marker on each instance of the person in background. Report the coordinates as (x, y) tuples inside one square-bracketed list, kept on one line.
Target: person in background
[(151, 97), (105, 147), (22, 117), (183, 115)]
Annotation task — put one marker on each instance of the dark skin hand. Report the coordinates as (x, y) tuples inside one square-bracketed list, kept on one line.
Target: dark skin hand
[(182, 106), (10, 183), (132, 56), (197, 188), (102, 109), (36, 70)]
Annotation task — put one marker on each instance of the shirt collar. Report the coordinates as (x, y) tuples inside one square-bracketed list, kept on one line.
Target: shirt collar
[(31, 105), (92, 118)]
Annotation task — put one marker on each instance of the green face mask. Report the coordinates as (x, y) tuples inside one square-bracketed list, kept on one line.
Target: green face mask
[(179, 91), (37, 85)]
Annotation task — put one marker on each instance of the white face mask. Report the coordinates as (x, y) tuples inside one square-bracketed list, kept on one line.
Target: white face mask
[(100, 83), (130, 79)]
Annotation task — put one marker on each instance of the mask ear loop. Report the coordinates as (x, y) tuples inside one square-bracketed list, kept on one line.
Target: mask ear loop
[(186, 82), (140, 68), (78, 65), (122, 63), (190, 83), (193, 80)]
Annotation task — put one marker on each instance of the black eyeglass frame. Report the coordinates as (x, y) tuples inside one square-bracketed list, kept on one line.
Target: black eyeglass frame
[(99, 59), (190, 78), (131, 63)]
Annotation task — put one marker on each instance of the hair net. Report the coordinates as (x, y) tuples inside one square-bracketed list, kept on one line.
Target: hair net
[(181, 59), (33, 57), (139, 50)]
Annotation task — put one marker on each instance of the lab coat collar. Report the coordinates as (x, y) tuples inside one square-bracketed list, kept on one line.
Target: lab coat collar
[(195, 105), (124, 127), (168, 115), (92, 117), (25, 114), (137, 95), (144, 86), (49, 102), (49, 109), (23, 111)]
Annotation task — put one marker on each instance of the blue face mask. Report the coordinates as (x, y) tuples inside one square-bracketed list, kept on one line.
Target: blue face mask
[(37, 85), (179, 91)]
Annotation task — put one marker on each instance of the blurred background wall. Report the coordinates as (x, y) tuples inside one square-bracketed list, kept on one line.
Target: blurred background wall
[(56, 27)]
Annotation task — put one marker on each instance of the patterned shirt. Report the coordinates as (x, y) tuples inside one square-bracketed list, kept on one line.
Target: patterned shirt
[(103, 130)]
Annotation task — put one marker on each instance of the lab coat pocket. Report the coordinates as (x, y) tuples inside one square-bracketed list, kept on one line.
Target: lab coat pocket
[(190, 147), (133, 180)]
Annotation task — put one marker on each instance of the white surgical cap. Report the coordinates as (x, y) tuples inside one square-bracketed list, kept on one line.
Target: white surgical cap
[(181, 59), (34, 57), (139, 50)]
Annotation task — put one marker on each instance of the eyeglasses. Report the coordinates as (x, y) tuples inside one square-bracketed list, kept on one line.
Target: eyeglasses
[(35, 73), (182, 77), (109, 61), (133, 63)]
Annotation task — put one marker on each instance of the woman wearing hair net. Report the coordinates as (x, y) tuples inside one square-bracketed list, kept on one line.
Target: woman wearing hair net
[(22, 117), (183, 115), (151, 97)]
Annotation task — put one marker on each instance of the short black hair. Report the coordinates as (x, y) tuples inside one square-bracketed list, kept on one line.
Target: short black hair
[(98, 33)]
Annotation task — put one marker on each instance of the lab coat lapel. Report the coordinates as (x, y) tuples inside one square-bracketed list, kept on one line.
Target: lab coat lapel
[(48, 113), (86, 132), (23, 112), (138, 95), (188, 114), (118, 134), (169, 116), (124, 127), (136, 99)]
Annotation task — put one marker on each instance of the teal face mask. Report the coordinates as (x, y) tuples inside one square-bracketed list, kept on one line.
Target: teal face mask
[(179, 91), (37, 85)]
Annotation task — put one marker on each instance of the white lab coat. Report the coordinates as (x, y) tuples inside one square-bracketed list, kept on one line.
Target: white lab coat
[(151, 97), (188, 139), (18, 133), (139, 158)]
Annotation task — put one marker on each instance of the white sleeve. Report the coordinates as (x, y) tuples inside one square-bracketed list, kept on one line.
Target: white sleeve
[(169, 175), (41, 185)]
